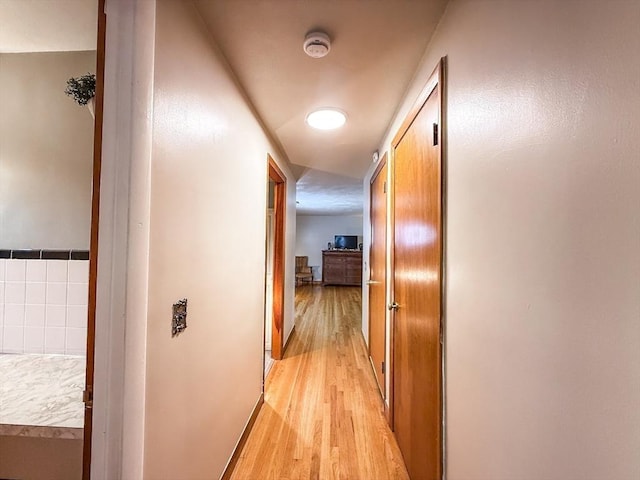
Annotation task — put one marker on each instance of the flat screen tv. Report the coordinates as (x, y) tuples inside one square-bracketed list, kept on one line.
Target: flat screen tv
[(348, 242)]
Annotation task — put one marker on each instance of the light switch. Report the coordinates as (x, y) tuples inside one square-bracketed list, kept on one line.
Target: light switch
[(179, 319)]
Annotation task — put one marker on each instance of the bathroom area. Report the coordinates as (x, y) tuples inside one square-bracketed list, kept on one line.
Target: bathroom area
[(44, 334), (47, 67)]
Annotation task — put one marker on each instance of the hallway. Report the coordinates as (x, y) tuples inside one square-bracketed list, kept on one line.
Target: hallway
[(322, 417)]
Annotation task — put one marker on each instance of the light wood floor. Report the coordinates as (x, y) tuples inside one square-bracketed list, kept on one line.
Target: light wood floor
[(322, 417)]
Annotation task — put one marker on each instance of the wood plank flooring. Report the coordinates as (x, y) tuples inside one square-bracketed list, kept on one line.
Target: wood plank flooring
[(322, 417)]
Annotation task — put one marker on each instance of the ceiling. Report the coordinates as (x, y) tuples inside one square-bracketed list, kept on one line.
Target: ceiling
[(376, 48), (323, 193), (48, 25)]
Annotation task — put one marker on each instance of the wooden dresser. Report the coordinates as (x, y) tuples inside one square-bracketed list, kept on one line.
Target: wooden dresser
[(341, 267)]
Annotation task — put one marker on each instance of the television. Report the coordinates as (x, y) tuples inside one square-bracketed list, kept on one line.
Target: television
[(345, 242)]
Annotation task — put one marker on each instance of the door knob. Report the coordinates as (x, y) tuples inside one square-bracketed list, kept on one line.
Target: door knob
[(372, 282), (393, 306)]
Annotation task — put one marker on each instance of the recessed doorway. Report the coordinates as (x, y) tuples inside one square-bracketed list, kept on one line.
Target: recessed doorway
[(275, 235)]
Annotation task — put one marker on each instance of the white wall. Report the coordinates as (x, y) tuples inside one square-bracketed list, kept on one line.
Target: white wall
[(543, 261), (122, 418), (207, 244), (46, 152), (313, 232)]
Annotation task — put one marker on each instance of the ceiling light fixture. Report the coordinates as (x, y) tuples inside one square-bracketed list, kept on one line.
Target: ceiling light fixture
[(326, 119)]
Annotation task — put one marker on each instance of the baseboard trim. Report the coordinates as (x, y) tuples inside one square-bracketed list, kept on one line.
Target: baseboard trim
[(286, 344), (228, 470), (375, 377), (385, 407), (387, 415)]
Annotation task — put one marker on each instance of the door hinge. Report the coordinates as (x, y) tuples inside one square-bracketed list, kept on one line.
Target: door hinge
[(385, 187), (441, 333), (435, 134), (382, 368), (87, 397)]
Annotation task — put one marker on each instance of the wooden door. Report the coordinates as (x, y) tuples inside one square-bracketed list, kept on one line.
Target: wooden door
[(378, 273), (417, 286)]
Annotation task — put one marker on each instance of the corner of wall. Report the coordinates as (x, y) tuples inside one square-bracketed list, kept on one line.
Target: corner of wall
[(121, 319)]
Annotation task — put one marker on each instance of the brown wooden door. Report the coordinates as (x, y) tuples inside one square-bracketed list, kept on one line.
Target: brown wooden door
[(377, 273), (417, 277)]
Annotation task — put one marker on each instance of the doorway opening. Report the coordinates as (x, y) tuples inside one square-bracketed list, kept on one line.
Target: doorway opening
[(275, 263), (48, 245), (268, 313)]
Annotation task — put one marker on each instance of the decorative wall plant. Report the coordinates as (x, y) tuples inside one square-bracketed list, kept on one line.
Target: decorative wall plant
[(82, 89)]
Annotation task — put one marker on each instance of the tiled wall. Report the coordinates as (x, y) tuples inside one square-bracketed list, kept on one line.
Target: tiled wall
[(43, 305)]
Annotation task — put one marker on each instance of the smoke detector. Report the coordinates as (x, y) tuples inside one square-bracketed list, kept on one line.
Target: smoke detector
[(317, 44)]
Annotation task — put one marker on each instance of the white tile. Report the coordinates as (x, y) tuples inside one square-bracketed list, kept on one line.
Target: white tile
[(2, 266), (36, 293), (57, 270), (56, 293), (1, 322), (1, 292), (77, 316), (79, 271), (78, 294), (14, 292), (34, 315), (15, 270), (76, 339), (55, 315), (33, 339), (36, 271), (14, 315), (54, 340), (13, 339)]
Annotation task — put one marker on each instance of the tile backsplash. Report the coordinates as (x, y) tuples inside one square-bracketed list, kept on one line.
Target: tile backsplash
[(43, 305)]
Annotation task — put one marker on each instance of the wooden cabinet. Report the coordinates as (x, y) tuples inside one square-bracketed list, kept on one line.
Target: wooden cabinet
[(341, 267)]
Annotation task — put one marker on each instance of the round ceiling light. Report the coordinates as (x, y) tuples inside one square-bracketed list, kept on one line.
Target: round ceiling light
[(326, 119)]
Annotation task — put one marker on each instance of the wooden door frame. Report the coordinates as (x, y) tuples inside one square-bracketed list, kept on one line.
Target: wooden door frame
[(279, 214), (93, 244), (436, 79), (374, 177)]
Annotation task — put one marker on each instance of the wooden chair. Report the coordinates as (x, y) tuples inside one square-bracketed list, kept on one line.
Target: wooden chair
[(303, 270)]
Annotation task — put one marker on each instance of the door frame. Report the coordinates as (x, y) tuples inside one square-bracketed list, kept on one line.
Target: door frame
[(93, 243), (436, 79), (383, 162), (279, 214)]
